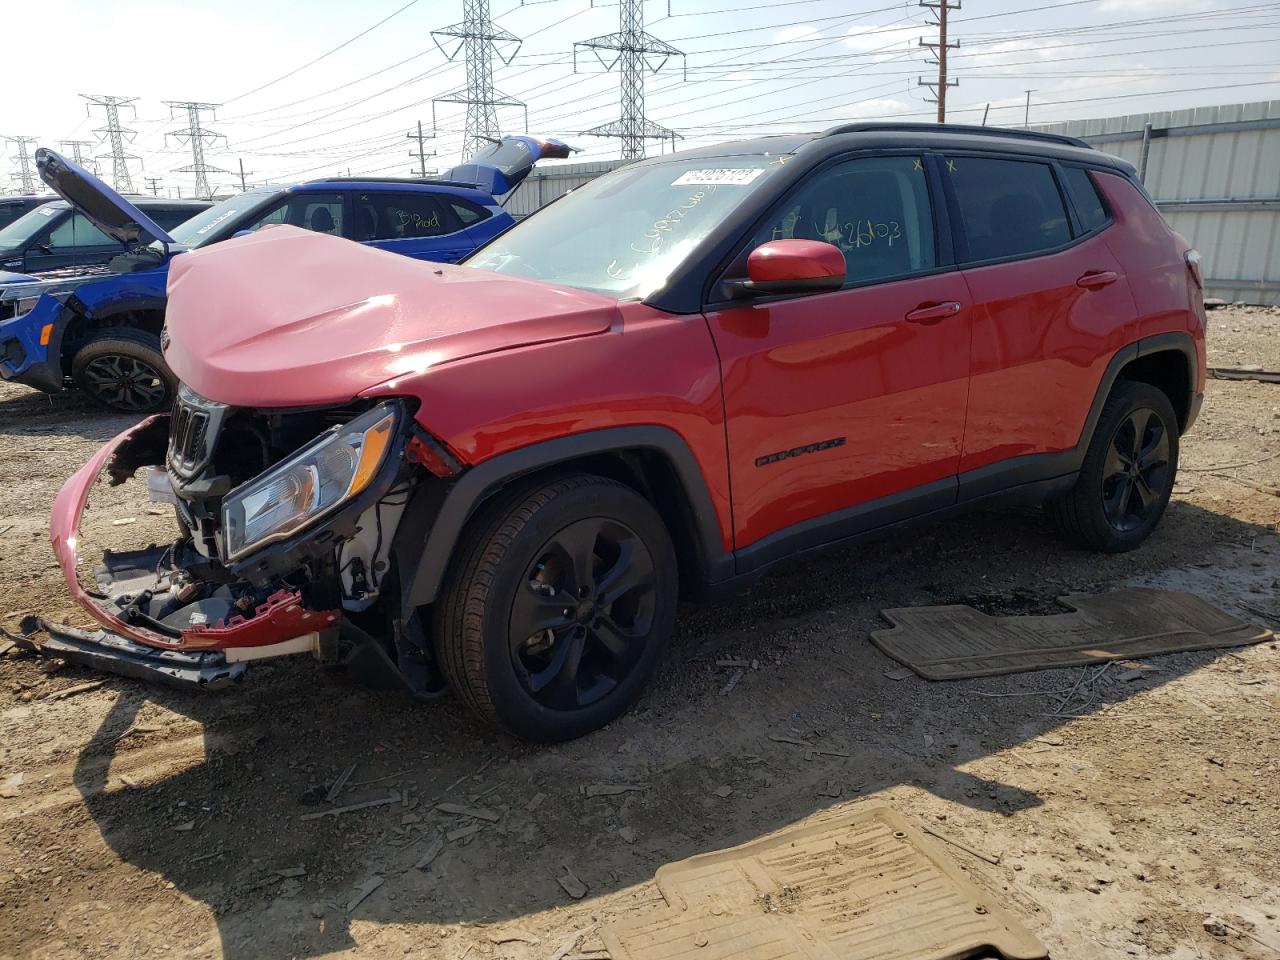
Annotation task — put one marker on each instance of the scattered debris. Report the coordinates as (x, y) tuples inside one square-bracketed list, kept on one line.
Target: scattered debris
[(363, 891), (513, 936), (899, 673), (476, 813), (9, 788), (434, 849), (830, 789), (1244, 373), (66, 692), (568, 945), (627, 834), (122, 521), (989, 858), (791, 740), (288, 872), (571, 885), (743, 664), (186, 827), (207, 856), (1215, 927), (339, 783), (612, 789), (1128, 676), (536, 802), (816, 752), (723, 790), (463, 832), (389, 776), (391, 797), (733, 682)]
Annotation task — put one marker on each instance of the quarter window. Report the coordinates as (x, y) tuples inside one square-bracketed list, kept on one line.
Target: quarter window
[(77, 231), (1008, 208), (876, 210), (469, 213), (1084, 195)]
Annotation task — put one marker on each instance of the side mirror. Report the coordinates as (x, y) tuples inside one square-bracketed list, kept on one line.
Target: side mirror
[(790, 266)]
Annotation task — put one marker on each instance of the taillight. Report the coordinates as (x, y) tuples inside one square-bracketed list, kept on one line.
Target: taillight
[(1193, 264)]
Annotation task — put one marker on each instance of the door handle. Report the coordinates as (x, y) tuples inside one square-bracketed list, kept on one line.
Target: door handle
[(1098, 280), (933, 312)]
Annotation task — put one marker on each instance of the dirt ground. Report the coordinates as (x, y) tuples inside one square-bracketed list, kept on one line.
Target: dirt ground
[(1124, 812)]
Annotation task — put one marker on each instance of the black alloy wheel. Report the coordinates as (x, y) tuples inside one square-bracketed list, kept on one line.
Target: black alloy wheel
[(1126, 478), (1136, 471), (124, 383), (557, 606), (579, 620)]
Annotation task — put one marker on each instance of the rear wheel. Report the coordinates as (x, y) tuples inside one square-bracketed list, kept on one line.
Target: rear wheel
[(123, 369), (1127, 475), (553, 620)]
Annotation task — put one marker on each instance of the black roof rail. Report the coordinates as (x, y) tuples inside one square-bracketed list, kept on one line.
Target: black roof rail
[(431, 180), (960, 128)]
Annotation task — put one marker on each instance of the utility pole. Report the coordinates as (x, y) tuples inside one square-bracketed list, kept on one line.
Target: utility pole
[(153, 184), (939, 86), (116, 135), (632, 47), (1026, 113), (25, 176), (479, 40), (421, 154), (243, 185), (77, 154), (197, 136)]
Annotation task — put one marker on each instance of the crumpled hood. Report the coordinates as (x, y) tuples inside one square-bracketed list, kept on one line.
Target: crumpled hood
[(287, 317)]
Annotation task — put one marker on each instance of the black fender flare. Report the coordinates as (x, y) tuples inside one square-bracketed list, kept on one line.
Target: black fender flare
[(429, 533)]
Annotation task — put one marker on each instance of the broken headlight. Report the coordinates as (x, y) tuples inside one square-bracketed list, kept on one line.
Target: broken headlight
[(320, 477)]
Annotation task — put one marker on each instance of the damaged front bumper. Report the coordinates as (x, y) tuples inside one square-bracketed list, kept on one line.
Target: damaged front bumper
[(130, 594)]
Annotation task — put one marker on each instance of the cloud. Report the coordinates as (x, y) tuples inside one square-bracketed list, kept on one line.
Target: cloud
[(871, 39), (799, 31), (1154, 6)]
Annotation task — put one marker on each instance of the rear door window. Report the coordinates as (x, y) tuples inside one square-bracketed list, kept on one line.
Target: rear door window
[(1084, 196), (875, 209), (1008, 208), (401, 216)]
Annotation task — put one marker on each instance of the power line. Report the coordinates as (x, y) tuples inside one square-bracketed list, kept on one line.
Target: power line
[(939, 87), (633, 46), (196, 135), (116, 135), (422, 154), (482, 40)]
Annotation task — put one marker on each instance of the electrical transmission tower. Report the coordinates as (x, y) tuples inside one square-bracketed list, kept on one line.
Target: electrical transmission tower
[(25, 175), (479, 40), (77, 153), (940, 48), (197, 136), (117, 136), (633, 48), (421, 153)]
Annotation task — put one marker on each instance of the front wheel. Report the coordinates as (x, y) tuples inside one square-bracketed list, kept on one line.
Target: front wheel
[(1127, 476), (557, 612), (122, 368)]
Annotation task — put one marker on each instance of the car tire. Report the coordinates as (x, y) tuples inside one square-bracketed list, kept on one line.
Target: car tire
[(1127, 475), (558, 610), (123, 369)]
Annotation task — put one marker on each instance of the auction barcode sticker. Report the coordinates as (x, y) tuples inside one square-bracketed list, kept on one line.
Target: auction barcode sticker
[(724, 177)]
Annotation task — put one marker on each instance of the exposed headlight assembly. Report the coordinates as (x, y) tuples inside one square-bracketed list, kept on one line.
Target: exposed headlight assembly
[(24, 296), (320, 477)]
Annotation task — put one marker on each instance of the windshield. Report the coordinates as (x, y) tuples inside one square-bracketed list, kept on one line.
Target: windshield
[(624, 233), (203, 227), (28, 225)]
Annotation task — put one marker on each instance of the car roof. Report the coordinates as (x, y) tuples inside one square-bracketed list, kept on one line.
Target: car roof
[(935, 136), (427, 185)]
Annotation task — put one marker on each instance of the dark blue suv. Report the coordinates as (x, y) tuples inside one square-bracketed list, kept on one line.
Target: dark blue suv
[(102, 333)]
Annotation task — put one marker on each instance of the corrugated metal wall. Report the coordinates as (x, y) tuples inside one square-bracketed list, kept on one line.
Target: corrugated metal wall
[(549, 181), (1214, 172)]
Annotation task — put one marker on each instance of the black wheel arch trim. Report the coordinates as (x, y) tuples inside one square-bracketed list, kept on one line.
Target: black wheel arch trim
[(428, 535)]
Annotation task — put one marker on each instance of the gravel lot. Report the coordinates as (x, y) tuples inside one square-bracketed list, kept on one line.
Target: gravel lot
[(149, 823)]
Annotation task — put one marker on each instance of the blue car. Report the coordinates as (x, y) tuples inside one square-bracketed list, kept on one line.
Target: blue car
[(102, 333)]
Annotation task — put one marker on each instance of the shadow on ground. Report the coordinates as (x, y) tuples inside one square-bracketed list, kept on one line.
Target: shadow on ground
[(293, 727)]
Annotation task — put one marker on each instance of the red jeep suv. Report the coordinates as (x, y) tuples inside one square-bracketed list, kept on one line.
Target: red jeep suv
[(498, 477)]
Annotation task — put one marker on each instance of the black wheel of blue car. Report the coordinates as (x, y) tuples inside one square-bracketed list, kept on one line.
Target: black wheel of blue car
[(557, 614), (122, 369), (1127, 475)]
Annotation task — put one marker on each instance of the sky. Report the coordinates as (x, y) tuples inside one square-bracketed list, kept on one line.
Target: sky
[(310, 88)]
